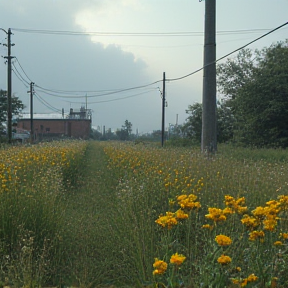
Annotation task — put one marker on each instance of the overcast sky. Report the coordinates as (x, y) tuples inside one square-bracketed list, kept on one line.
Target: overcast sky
[(124, 53)]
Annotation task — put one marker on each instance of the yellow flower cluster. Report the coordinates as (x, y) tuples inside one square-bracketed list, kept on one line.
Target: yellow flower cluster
[(160, 267), (268, 214), (188, 201), (224, 259), (236, 204), (256, 235), (180, 214), (171, 219), (284, 236), (177, 259), (223, 240), (208, 226), (168, 220), (250, 222), (218, 215), (245, 281)]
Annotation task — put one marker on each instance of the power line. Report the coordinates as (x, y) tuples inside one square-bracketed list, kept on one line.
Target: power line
[(116, 99), (240, 48), (19, 78), (19, 75), (45, 103), (93, 96), (23, 69), (142, 34)]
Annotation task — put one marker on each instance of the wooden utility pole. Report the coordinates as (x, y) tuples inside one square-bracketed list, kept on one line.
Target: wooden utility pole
[(209, 135), (9, 85), (31, 112), (163, 111)]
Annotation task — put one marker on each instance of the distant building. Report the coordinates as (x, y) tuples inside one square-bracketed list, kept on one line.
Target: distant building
[(76, 125)]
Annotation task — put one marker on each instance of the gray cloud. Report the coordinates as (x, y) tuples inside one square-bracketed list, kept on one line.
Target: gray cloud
[(75, 63)]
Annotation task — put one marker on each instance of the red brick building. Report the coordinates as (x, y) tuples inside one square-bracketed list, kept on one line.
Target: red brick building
[(54, 128)]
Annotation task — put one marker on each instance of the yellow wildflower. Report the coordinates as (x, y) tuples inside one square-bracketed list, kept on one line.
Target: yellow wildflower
[(223, 240), (160, 266), (169, 220), (208, 226), (188, 201), (259, 212), (269, 224), (250, 222), (278, 243), (216, 215), (235, 204), (224, 260), (284, 236), (180, 214), (255, 235), (227, 211), (252, 278), (284, 201), (177, 259)]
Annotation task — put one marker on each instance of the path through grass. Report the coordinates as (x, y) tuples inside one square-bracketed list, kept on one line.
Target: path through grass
[(91, 239)]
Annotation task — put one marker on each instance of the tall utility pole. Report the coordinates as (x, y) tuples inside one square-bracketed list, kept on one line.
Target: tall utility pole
[(31, 112), (209, 135), (9, 85), (163, 111)]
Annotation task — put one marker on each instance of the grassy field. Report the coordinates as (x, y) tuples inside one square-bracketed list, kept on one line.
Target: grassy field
[(91, 214)]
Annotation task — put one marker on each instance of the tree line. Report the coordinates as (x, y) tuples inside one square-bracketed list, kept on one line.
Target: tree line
[(252, 107)]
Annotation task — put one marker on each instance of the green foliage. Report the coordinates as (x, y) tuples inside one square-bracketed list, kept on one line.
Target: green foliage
[(192, 128), (125, 132), (95, 134), (255, 89), (17, 107)]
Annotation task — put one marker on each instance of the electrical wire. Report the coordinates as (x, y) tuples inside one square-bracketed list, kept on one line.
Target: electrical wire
[(45, 103), (23, 69), (93, 96), (20, 79), (145, 34), (19, 74), (112, 100), (225, 56)]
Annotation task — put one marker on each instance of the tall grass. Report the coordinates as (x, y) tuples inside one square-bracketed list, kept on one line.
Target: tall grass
[(150, 178), (33, 182), (93, 214)]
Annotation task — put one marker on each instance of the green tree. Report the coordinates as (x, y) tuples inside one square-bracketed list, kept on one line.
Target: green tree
[(255, 88), (125, 132), (263, 102), (192, 128), (17, 107)]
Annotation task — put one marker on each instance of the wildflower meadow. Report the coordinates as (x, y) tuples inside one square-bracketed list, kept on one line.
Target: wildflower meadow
[(102, 214)]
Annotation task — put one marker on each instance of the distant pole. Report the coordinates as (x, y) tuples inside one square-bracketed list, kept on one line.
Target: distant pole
[(31, 112), (209, 136), (163, 111), (9, 85)]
